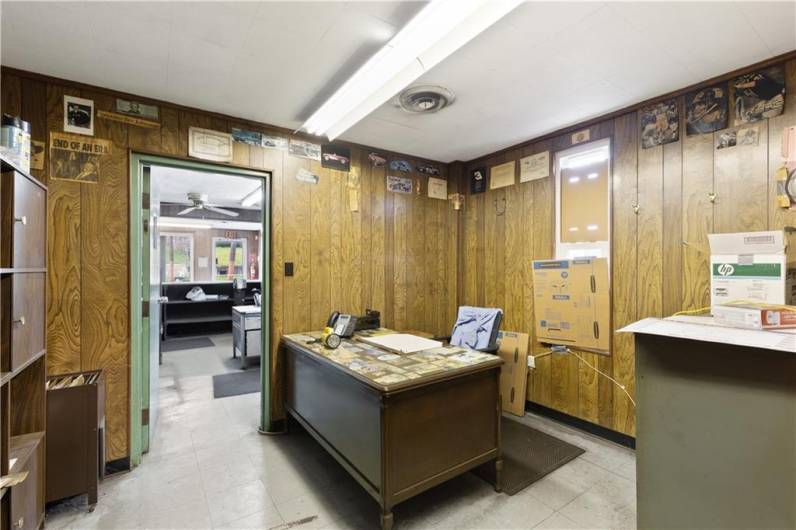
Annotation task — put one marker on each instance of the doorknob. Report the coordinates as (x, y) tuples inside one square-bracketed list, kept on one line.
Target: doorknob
[(19, 320), (22, 220)]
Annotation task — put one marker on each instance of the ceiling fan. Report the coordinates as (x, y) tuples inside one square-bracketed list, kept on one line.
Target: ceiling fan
[(199, 202)]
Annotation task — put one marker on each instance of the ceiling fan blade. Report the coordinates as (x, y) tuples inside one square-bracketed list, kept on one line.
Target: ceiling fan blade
[(187, 210), (221, 210)]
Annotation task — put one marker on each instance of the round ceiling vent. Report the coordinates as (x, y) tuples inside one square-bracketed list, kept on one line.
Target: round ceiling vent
[(425, 98)]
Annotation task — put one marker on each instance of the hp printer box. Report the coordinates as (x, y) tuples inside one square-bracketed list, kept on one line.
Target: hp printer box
[(571, 302), (750, 267)]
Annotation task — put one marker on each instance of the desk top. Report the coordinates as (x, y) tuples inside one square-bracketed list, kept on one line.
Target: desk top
[(387, 371)]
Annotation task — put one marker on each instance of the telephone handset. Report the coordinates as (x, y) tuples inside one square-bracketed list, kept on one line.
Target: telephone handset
[(343, 325)]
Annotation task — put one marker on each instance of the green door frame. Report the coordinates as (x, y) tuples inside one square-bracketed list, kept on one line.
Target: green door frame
[(137, 383)]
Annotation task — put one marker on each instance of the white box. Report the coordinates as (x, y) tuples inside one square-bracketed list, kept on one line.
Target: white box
[(749, 266)]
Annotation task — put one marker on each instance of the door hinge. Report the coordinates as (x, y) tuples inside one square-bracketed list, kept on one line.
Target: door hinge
[(145, 416), (145, 308)]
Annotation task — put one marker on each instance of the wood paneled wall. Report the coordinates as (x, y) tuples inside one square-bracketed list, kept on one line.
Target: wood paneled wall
[(396, 254), (659, 255)]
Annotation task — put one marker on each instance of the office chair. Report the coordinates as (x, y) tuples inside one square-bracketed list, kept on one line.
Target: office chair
[(477, 328)]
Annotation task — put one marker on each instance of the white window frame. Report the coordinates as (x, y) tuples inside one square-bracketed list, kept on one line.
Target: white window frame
[(245, 255), (189, 235), (565, 250)]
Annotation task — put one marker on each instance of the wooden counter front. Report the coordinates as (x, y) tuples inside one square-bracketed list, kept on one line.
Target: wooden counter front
[(396, 440)]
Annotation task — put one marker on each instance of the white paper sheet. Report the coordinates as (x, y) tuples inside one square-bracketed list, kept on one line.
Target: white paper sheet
[(707, 331), (402, 342)]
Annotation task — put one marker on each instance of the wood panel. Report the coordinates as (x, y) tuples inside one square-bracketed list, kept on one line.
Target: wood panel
[(344, 259), (660, 254)]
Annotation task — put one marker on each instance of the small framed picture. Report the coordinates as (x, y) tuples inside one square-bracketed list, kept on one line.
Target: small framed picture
[(78, 115)]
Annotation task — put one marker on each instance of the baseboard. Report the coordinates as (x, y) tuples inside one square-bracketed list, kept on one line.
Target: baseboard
[(583, 425), (117, 466)]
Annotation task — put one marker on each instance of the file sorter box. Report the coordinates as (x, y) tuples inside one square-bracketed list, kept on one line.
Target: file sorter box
[(571, 302), (750, 267)]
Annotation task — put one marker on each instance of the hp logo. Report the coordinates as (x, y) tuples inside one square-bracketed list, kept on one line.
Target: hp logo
[(725, 269)]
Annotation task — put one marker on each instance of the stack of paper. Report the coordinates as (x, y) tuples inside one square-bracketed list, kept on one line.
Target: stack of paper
[(402, 342)]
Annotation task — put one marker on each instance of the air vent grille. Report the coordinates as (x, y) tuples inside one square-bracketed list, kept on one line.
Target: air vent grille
[(425, 99)]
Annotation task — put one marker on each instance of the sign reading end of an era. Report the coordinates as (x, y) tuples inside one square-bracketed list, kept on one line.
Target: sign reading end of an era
[(77, 157)]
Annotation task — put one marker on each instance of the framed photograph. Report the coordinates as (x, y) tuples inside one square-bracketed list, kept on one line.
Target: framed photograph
[(427, 169), (303, 149), (399, 184), (437, 188), (247, 137), (535, 167), (706, 110), (78, 115), (580, 137), (400, 165), (759, 95), (274, 142), (478, 180), (77, 158), (209, 145), (660, 124), (336, 157), (137, 109), (501, 175)]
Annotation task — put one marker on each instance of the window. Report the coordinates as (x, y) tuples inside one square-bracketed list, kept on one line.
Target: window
[(229, 258), (583, 196), (176, 257)]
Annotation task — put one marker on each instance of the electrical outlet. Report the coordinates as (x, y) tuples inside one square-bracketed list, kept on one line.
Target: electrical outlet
[(531, 361)]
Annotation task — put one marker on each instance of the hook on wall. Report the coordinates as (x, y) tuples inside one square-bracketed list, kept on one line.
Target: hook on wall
[(498, 211)]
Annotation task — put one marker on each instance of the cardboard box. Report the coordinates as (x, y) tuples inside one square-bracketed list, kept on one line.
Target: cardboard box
[(572, 302), (513, 349), (755, 316), (750, 267)]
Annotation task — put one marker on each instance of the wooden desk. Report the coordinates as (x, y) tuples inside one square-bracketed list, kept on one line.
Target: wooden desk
[(399, 425)]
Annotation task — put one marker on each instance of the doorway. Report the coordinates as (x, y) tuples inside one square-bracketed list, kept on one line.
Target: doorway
[(200, 256)]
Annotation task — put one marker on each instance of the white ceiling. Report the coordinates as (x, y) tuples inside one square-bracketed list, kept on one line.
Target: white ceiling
[(544, 66), (226, 190)]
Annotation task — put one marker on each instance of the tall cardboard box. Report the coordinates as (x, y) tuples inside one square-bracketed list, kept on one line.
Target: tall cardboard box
[(513, 349), (572, 302), (750, 267)]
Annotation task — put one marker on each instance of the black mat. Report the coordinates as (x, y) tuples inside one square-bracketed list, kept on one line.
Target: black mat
[(528, 455), (236, 383), (186, 344)]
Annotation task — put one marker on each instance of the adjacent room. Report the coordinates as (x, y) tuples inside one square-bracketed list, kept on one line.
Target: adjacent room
[(376, 265)]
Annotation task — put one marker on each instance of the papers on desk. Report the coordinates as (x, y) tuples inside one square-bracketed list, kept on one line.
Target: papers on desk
[(402, 342), (707, 331)]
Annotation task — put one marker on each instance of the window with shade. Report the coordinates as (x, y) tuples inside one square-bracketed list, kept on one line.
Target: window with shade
[(583, 196), (176, 257), (229, 259)]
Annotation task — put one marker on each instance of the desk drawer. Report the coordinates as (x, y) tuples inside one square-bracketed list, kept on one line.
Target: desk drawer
[(26, 315), (251, 322), (24, 223)]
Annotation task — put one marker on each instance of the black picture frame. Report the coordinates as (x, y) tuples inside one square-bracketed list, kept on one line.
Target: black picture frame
[(335, 156), (478, 180)]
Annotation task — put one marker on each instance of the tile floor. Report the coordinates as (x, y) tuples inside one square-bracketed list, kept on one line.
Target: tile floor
[(209, 468)]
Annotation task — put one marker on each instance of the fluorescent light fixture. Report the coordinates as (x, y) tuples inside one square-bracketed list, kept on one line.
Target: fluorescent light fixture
[(592, 176), (574, 180), (441, 28), (586, 159), (169, 224), (252, 198), (591, 227)]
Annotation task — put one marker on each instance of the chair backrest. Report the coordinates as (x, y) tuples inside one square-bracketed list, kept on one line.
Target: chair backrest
[(477, 328)]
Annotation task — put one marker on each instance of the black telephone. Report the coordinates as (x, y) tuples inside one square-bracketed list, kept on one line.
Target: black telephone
[(342, 325)]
